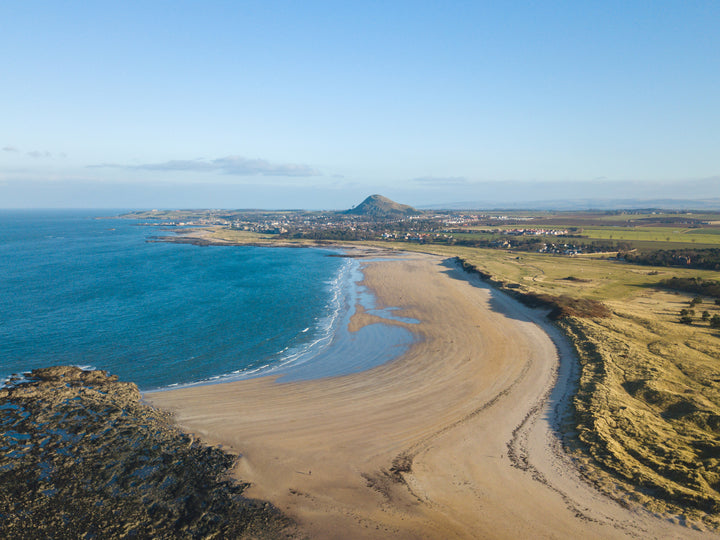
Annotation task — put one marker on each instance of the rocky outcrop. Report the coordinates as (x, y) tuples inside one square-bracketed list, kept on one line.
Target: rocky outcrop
[(82, 457)]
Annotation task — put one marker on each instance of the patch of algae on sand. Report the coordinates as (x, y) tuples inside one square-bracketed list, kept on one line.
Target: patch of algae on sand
[(82, 457), (647, 410)]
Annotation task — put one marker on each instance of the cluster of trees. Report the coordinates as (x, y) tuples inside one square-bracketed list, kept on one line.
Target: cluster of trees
[(696, 285), (534, 243), (687, 314), (708, 259), (336, 234), (520, 243)]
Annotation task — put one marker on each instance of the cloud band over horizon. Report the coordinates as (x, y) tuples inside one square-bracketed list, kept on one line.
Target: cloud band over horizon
[(232, 165)]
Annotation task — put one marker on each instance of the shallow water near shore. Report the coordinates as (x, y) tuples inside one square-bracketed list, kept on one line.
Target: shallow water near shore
[(91, 292)]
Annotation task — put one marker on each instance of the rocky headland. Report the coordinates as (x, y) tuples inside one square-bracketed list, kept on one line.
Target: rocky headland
[(81, 456)]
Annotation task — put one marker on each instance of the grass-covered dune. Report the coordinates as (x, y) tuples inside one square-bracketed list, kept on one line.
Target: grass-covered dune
[(647, 410)]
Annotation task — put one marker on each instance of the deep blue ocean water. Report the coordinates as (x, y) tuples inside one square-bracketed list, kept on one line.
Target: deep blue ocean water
[(92, 292)]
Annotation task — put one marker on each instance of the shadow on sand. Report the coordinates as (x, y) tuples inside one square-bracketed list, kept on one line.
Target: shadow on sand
[(555, 405)]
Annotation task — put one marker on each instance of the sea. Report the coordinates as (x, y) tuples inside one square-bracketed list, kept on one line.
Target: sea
[(85, 288)]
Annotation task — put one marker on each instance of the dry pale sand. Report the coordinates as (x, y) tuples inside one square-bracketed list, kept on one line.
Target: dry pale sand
[(453, 440)]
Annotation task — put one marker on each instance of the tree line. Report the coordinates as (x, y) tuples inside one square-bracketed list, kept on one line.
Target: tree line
[(706, 259), (695, 285)]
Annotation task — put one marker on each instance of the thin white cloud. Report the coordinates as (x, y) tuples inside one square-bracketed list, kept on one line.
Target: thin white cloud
[(232, 165), (38, 154), (35, 154), (176, 165), (251, 167), (440, 180)]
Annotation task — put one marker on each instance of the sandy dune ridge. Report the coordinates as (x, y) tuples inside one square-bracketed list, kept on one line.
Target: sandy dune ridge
[(455, 439)]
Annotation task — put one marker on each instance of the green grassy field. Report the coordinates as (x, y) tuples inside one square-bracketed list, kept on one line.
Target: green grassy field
[(609, 218), (644, 232), (606, 279), (686, 237), (643, 238)]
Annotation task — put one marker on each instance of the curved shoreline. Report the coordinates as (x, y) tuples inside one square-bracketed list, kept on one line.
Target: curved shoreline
[(456, 439), (362, 348)]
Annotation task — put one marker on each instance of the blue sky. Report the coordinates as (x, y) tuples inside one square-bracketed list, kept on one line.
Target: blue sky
[(318, 104)]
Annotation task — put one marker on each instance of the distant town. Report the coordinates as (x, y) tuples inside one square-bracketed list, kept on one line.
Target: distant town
[(631, 234)]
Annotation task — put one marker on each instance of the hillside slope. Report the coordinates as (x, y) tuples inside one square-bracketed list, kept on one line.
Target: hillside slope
[(381, 207)]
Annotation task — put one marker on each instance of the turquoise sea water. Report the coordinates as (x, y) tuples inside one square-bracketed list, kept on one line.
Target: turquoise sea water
[(92, 292)]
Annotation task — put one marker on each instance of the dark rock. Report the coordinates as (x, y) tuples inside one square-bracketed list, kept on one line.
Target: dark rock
[(82, 457)]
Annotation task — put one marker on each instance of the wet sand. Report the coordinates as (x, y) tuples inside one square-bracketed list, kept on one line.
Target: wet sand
[(455, 439)]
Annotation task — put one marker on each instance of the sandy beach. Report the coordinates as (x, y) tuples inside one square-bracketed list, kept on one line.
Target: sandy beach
[(455, 439)]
